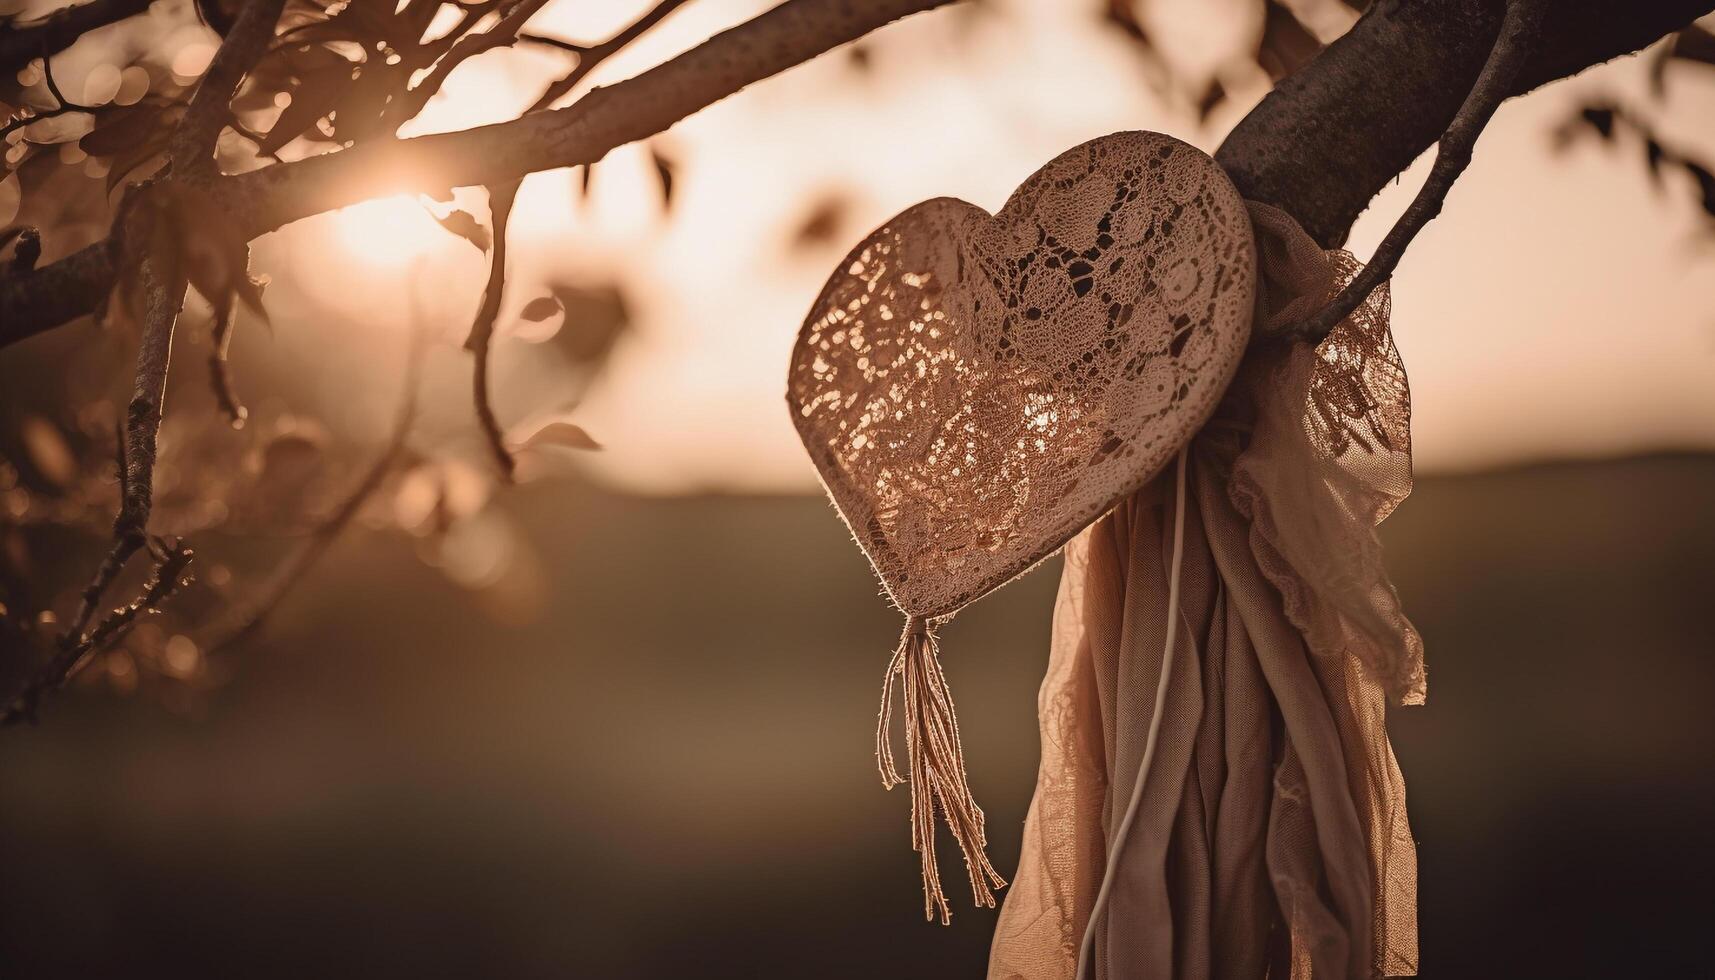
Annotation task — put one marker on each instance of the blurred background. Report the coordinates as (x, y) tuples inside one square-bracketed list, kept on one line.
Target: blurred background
[(616, 721)]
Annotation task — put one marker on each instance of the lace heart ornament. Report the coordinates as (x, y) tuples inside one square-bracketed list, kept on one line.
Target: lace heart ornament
[(974, 389)]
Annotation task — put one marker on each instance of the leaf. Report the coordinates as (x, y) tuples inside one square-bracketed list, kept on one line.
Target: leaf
[(823, 222), (465, 225), (566, 434), (312, 99), (1600, 118), (596, 317), (1694, 44), (48, 451), (122, 129), (1122, 14), (540, 308), (1213, 96), (1285, 44), (1705, 185), (664, 168)]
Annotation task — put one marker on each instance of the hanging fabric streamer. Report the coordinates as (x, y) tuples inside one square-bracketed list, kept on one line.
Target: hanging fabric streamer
[(1271, 837), (975, 390)]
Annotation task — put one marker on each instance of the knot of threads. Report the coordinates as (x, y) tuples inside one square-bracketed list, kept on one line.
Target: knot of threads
[(937, 766)]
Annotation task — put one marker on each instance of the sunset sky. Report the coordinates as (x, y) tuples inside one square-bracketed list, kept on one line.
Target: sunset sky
[(1560, 307)]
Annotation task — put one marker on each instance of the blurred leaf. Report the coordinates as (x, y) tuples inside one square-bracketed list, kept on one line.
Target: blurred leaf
[(1705, 184), (1599, 118), (823, 222), (312, 99), (1285, 44), (48, 451), (1695, 44), (540, 308), (595, 319), (664, 173), (566, 434), (1213, 96), (465, 225), (121, 129), (1122, 14), (1654, 155)]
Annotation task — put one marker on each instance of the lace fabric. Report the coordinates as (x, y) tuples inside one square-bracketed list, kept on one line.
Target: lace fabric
[(974, 390), (1272, 840)]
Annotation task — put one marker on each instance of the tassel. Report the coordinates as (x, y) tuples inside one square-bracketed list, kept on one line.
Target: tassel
[(937, 767)]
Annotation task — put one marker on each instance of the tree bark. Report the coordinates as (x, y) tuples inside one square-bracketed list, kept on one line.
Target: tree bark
[(1330, 137)]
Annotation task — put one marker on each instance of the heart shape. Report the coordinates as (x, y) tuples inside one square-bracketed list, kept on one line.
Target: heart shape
[(975, 389)]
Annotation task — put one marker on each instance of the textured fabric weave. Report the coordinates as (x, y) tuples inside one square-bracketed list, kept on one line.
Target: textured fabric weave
[(1272, 838)]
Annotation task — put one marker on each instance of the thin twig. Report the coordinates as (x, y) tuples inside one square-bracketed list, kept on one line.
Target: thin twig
[(481, 338), (591, 55), (165, 579), (210, 109), (62, 105), (249, 617), (220, 373), (500, 35), (58, 30), (164, 294), (1513, 46), (500, 200)]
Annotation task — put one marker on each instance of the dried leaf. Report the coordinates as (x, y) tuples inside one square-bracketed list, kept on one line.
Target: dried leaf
[(465, 225), (1705, 184), (1694, 44)]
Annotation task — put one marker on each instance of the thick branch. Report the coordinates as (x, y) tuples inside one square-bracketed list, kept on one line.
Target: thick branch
[(57, 31), (1452, 155), (1331, 136), (1321, 145)]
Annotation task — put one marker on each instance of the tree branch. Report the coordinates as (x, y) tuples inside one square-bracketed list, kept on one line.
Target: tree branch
[(247, 618), (263, 200), (589, 56), (163, 296), (192, 147), (481, 338), (1328, 138), (59, 30), (167, 577), (1517, 38)]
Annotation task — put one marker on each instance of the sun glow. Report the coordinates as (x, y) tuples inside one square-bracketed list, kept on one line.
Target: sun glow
[(389, 231)]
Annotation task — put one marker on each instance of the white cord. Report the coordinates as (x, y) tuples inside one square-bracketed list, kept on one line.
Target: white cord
[(1086, 950)]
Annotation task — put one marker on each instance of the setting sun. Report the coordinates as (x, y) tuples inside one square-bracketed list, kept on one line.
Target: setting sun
[(389, 231)]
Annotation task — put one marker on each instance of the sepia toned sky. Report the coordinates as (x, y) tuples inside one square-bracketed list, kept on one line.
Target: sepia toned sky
[(1559, 307)]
